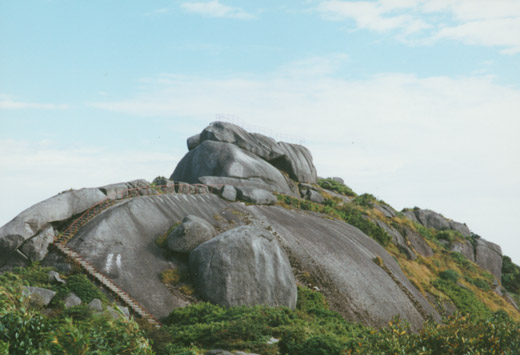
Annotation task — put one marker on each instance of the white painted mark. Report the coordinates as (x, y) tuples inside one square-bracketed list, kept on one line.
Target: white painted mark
[(108, 264), (118, 261)]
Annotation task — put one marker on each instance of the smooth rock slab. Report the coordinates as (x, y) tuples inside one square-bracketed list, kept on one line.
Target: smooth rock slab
[(256, 196), (244, 266)]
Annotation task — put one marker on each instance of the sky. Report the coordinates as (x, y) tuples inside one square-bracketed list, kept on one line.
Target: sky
[(416, 102)]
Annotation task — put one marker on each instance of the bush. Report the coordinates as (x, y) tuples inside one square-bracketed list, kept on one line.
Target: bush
[(159, 181), (449, 275), (333, 185), (365, 200), (84, 288), (510, 275)]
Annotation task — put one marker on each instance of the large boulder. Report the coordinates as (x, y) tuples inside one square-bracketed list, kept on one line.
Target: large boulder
[(244, 266), (227, 160), (293, 159), (125, 189), (37, 247), (192, 232), (40, 297), (36, 220), (431, 219), (489, 257)]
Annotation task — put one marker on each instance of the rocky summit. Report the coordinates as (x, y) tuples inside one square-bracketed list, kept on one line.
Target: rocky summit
[(244, 220)]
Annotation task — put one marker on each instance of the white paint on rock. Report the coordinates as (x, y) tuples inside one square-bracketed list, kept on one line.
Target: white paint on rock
[(108, 264)]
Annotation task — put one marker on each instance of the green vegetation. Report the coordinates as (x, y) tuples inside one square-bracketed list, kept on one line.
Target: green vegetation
[(28, 330), (365, 200), (510, 275), (338, 187), (351, 214)]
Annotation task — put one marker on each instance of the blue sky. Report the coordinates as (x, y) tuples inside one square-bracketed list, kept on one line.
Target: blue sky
[(414, 101)]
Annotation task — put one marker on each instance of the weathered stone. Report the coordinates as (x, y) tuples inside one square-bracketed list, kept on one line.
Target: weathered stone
[(193, 141), (227, 160), (54, 277), (124, 311), (37, 247), (397, 239), (410, 215), (431, 219), (36, 218), (387, 211), (256, 196), (489, 257), (192, 232), (126, 189), (418, 243), (297, 162), (229, 193), (462, 228), (40, 297), (71, 300), (244, 266), (465, 248), (95, 305), (338, 179), (338, 257)]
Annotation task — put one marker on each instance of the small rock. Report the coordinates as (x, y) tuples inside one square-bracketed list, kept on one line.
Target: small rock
[(38, 296), (256, 196), (96, 305), (229, 193), (54, 277), (273, 341), (71, 300), (190, 234), (124, 310)]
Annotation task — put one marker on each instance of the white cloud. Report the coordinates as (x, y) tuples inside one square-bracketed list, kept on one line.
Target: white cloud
[(216, 9), (8, 103), (476, 22), (35, 171), (450, 144)]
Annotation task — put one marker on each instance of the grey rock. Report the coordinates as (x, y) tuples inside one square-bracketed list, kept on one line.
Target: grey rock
[(125, 189), (229, 193), (227, 160), (462, 228), (124, 311), (244, 266), (54, 277), (40, 297), (218, 352), (465, 248), (37, 218), (257, 144), (71, 300), (410, 215), (431, 219), (297, 162), (37, 247), (338, 179), (397, 239), (192, 232), (388, 211), (294, 159), (310, 193), (193, 141), (339, 257), (113, 313), (256, 196), (95, 305), (511, 300), (418, 243), (489, 257)]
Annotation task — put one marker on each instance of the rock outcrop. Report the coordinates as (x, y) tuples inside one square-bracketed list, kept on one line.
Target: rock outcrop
[(35, 221), (337, 256), (431, 219), (489, 257), (223, 151), (244, 266)]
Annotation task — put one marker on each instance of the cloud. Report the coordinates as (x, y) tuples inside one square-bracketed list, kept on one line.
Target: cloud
[(8, 103), (216, 9), (43, 169), (475, 22)]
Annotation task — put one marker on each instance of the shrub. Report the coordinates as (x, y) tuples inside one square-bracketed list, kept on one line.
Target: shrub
[(365, 200), (449, 275), (510, 275), (84, 288), (159, 181), (333, 185)]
